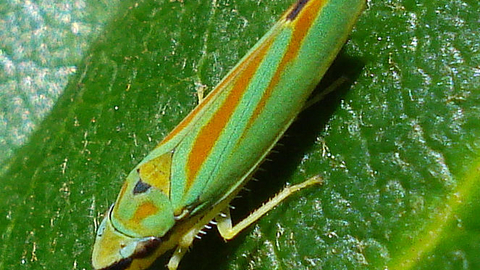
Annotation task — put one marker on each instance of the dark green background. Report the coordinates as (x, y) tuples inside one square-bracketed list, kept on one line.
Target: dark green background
[(397, 145)]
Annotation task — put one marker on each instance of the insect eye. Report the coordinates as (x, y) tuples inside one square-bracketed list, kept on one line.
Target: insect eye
[(146, 247)]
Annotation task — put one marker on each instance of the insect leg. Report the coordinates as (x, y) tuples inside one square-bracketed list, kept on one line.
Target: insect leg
[(316, 98), (183, 245), (224, 222)]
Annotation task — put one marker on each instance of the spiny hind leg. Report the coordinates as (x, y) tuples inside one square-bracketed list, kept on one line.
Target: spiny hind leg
[(224, 222)]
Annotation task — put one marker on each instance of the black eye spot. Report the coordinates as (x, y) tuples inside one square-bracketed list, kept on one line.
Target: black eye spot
[(141, 187), (145, 248), (120, 265)]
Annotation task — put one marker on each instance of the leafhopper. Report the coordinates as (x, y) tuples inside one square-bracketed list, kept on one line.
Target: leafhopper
[(190, 178)]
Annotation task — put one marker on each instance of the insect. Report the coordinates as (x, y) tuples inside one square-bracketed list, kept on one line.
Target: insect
[(190, 178)]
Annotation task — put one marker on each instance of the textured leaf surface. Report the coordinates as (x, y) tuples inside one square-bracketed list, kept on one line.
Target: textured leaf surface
[(398, 146), (40, 43)]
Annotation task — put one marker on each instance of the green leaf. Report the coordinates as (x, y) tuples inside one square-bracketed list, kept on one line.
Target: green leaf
[(398, 147), (40, 43)]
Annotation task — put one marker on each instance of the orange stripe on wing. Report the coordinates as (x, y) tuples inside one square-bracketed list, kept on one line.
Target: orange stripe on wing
[(302, 15), (186, 121), (301, 24), (209, 133)]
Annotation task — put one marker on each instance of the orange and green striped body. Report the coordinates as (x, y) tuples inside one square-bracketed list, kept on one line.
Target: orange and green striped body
[(198, 168)]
